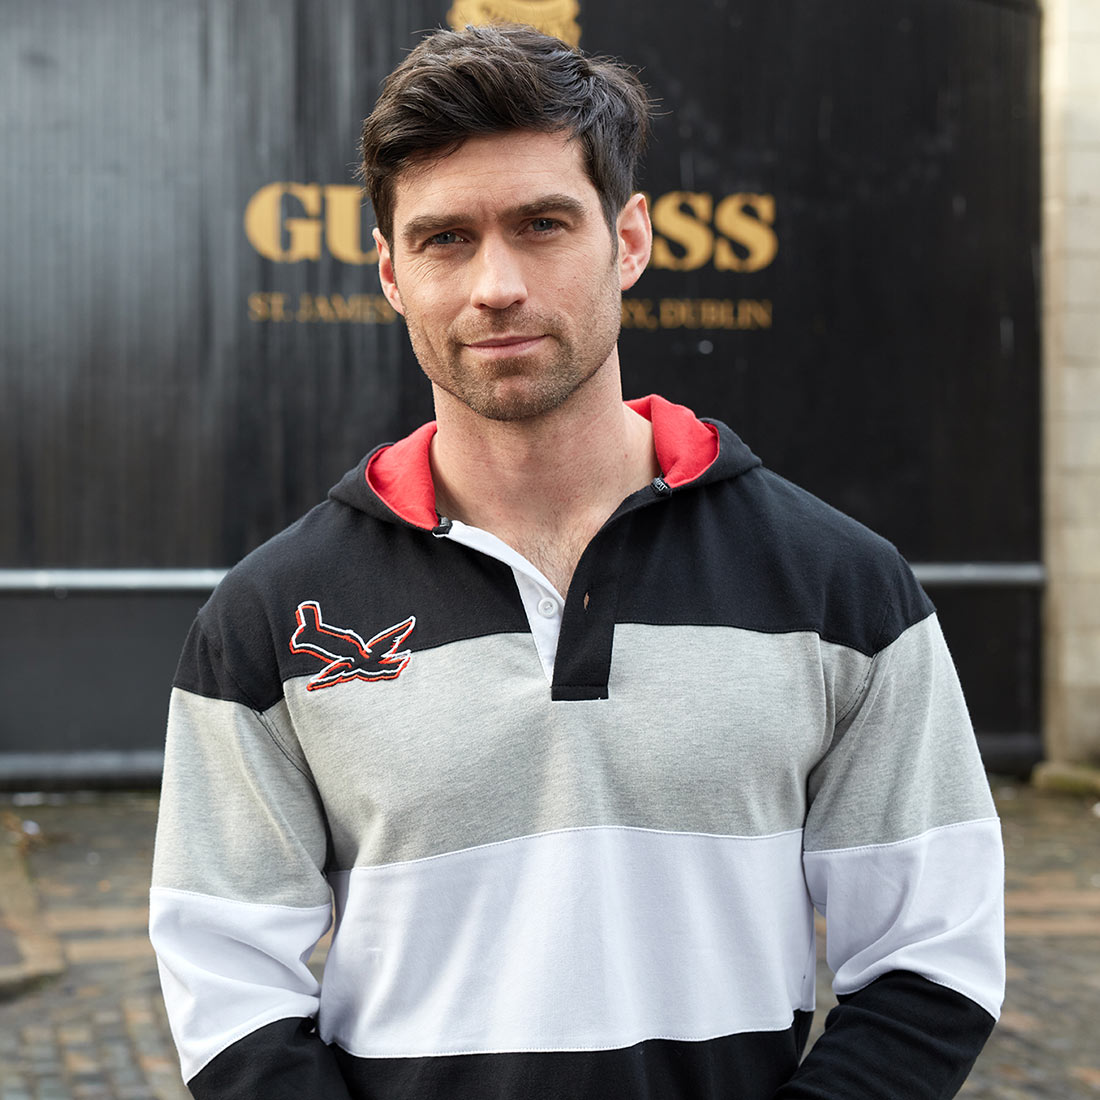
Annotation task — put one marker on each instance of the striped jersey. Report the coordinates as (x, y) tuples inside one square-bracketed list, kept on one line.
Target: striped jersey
[(570, 845)]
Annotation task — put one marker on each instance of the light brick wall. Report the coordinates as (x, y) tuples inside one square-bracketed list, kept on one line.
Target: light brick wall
[(1071, 369)]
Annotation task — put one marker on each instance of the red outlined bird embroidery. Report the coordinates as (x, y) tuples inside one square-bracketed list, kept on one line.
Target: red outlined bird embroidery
[(347, 657)]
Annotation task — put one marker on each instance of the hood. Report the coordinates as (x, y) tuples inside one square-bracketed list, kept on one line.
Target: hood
[(394, 481)]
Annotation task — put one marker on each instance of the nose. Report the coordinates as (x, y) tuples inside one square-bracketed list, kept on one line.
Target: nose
[(498, 277)]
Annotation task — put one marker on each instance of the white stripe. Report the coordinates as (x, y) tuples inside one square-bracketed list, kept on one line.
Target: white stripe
[(933, 905), (582, 939), (228, 968)]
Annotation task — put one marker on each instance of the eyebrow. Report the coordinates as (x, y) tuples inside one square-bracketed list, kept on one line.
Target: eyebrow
[(426, 225)]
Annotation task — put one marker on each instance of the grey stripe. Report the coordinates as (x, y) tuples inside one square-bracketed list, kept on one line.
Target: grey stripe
[(905, 759), (467, 748), (712, 730), (237, 818)]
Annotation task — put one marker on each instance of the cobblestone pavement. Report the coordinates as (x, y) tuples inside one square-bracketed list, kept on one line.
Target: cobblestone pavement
[(98, 1031), (1047, 1043)]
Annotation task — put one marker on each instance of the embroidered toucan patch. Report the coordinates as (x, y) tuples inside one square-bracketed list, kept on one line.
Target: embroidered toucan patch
[(347, 657)]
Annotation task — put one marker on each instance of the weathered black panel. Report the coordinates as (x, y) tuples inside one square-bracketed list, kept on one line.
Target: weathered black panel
[(89, 670), (900, 377), (993, 634)]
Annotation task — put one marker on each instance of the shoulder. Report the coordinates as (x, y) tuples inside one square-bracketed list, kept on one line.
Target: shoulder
[(756, 551), (792, 517), (235, 648), (854, 581)]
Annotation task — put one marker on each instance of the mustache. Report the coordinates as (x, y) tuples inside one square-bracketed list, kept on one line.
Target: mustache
[(507, 322)]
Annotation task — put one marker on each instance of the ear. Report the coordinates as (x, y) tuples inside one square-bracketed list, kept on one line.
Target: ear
[(635, 240), (386, 275)]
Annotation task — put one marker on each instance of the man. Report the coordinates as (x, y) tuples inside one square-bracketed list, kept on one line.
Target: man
[(567, 709)]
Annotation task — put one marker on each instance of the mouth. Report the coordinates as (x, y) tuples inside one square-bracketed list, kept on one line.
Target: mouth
[(514, 344)]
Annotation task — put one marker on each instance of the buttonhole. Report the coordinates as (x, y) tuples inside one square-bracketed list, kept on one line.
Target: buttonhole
[(586, 595)]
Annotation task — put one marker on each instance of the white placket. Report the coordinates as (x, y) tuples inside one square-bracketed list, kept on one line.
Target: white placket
[(542, 602)]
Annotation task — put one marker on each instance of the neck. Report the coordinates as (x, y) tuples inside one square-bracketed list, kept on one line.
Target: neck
[(544, 485)]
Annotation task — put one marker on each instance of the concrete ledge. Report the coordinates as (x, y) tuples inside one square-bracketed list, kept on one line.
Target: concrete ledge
[(1067, 778), (29, 952)]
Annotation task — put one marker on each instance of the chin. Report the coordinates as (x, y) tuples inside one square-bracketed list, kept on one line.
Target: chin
[(516, 407)]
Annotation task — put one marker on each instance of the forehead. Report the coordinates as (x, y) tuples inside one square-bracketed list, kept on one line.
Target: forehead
[(497, 171)]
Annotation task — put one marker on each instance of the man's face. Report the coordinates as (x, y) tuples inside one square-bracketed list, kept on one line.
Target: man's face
[(506, 273)]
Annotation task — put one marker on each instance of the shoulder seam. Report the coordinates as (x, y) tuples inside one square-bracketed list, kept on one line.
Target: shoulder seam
[(215, 644)]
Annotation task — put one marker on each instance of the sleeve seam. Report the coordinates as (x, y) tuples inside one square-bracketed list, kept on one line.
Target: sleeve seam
[(879, 647), (251, 1026), (860, 691), (858, 848), (154, 891)]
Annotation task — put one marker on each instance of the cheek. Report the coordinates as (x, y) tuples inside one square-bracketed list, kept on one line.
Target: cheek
[(435, 301)]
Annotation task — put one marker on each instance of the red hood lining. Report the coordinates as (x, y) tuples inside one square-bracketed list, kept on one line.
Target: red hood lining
[(686, 447), (401, 474)]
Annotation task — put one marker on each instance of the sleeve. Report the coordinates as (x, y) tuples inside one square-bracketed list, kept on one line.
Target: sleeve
[(239, 898), (902, 855)]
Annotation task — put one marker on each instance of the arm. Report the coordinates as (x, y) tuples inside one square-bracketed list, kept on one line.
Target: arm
[(902, 853), (901, 1037), (239, 897)]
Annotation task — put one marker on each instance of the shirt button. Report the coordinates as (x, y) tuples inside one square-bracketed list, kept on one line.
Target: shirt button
[(548, 608)]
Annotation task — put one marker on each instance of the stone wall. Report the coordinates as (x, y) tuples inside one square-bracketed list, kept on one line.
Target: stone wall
[(1071, 317)]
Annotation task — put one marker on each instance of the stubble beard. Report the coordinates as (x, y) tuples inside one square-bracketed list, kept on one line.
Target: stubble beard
[(527, 386), (520, 387)]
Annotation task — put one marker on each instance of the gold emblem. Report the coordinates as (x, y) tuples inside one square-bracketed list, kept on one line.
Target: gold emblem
[(556, 17)]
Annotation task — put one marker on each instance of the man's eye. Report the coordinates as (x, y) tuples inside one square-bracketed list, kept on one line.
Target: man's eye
[(448, 236), (543, 225)]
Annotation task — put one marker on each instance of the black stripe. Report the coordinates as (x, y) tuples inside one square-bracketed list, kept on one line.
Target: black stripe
[(365, 575), (762, 555), (735, 1067), (282, 1061), (900, 1036)]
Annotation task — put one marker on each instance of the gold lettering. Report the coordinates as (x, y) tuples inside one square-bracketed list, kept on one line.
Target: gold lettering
[(267, 307), (344, 225), (263, 222), (364, 309), (746, 220), (638, 313), (347, 309), (690, 231), (556, 17), (381, 310), (675, 312), (716, 313), (713, 313), (753, 314), (307, 309)]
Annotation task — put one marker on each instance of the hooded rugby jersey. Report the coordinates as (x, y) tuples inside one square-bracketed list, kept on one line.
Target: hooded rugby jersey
[(571, 845)]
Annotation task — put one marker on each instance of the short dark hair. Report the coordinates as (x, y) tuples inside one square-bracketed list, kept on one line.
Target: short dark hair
[(495, 79)]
